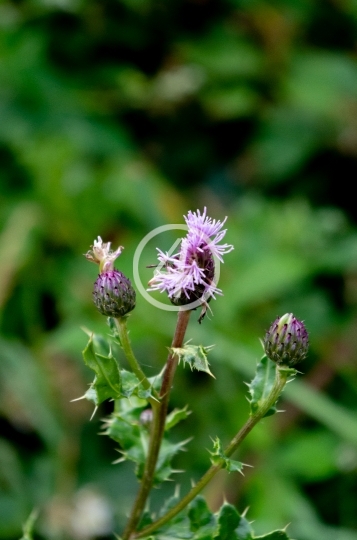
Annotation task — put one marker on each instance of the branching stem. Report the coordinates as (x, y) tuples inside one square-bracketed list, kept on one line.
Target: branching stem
[(157, 427), (280, 381)]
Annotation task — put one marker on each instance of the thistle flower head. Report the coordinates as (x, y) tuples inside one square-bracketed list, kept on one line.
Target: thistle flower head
[(113, 293), (286, 341), (102, 254), (188, 276)]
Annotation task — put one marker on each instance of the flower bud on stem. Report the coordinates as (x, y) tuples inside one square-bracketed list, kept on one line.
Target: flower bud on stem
[(282, 375)]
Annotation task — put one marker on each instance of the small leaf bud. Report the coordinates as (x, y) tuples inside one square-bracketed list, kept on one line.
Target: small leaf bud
[(113, 294), (286, 341)]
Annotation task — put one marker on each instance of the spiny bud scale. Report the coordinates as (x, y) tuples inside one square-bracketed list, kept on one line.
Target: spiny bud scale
[(113, 294), (286, 341)]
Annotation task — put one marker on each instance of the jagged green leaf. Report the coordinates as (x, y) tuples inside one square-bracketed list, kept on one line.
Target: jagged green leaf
[(107, 382), (131, 386), (126, 427), (170, 503), (201, 518), (145, 520), (244, 530), (175, 417), (195, 356), (217, 455), (275, 535), (156, 380), (197, 522), (101, 345), (261, 385), (231, 525), (167, 452)]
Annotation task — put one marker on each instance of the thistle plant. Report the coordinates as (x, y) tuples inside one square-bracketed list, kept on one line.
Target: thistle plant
[(142, 420)]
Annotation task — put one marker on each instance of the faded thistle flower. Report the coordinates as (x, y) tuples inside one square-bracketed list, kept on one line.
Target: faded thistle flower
[(188, 276), (113, 293), (286, 341)]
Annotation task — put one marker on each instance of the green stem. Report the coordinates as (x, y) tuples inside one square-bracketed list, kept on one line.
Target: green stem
[(157, 427), (279, 383), (120, 323)]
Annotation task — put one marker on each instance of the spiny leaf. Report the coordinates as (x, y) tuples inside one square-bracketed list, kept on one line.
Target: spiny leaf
[(262, 384), (131, 386), (175, 417), (145, 520), (196, 522), (217, 455), (195, 356), (107, 383), (126, 427), (232, 526), (167, 452), (170, 503), (199, 514), (275, 535)]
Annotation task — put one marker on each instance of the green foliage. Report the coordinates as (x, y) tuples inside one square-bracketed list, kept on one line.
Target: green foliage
[(275, 535), (110, 381), (176, 416), (107, 382), (231, 525), (261, 385), (195, 356), (118, 117), (218, 455), (126, 427), (199, 523)]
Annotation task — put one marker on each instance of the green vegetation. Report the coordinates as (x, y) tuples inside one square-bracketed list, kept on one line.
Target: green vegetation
[(117, 117)]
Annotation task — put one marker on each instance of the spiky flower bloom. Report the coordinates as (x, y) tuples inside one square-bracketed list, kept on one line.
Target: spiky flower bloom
[(102, 254), (286, 341), (113, 293), (188, 276)]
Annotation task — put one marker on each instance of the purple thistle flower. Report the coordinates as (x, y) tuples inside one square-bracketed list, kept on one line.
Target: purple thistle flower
[(189, 275)]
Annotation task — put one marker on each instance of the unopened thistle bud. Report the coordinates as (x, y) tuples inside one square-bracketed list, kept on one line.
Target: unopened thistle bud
[(113, 293), (286, 341)]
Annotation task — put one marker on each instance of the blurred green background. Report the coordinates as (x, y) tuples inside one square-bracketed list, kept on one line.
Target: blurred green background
[(117, 117)]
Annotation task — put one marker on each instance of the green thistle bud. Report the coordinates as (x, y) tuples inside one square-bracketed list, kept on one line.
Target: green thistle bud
[(113, 294), (286, 341)]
